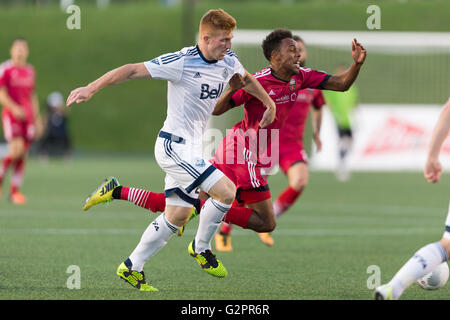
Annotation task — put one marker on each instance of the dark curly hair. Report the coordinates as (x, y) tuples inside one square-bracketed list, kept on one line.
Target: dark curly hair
[(273, 40)]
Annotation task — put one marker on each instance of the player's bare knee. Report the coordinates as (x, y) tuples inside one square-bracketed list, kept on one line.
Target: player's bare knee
[(269, 226), (299, 184), (15, 154), (227, 196)]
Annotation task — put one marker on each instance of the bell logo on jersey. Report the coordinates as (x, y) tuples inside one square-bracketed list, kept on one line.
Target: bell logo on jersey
[(210, 94)]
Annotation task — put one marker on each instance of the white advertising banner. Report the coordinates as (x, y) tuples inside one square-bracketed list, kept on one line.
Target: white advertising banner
[(385, 137)]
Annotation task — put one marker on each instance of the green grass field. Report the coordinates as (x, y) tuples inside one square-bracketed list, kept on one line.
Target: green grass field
[(323, 245)]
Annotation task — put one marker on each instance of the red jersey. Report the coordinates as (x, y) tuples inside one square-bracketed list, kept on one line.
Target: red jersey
[(19, 82), (294, 126), (245, 142)]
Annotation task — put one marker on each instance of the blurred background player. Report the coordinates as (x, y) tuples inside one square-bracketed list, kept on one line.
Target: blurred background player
[(342, 105), (430, 256), (20, 114), (293, 159), (56, 139)]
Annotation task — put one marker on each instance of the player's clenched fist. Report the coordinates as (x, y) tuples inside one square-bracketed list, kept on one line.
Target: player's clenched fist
[(236, 82), (358, 52)]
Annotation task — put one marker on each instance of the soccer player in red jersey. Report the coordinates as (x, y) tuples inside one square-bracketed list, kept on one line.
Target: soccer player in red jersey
[(237, 156), (283, 80), (20, 114), (293, 159)]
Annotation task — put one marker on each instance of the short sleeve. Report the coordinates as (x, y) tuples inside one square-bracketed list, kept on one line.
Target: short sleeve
[(318, 99), (240, 97), (313, 79), (239, 68), (166, 67), (3, 77), (232, 59)]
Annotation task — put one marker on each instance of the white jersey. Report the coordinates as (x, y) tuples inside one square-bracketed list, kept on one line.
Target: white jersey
[(194, 85)]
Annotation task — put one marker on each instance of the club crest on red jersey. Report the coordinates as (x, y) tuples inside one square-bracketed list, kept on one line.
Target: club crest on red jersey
[(292, 84)]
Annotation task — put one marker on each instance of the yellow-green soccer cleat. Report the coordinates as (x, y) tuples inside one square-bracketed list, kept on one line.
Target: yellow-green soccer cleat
[(207, 260), (194, 213), (102, 194), (134, 278), (384, 292)]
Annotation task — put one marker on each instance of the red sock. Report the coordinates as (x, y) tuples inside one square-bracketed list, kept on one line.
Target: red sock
[(238, 216), (226, 228), (285, 200), (4, 166), (153, 201), (17, 176)]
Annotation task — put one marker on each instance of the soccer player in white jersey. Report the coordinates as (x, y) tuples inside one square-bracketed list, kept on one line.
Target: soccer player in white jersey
[(196, 77), (430, 256)]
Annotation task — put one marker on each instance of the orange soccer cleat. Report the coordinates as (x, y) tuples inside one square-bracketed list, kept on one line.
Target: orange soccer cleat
[(223, 242), (266, 238), (18, 198)]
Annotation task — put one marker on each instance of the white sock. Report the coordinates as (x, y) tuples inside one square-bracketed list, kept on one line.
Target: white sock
[(422, 262), (446, 234), (212, 213), (154, 238), (277, 209)]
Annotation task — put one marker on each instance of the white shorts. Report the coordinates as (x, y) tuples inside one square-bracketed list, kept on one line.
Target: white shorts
[(186, 171)]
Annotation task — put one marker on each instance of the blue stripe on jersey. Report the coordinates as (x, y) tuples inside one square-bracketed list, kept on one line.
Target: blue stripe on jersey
[(192, 52), (231, 53), (172, 60), (168, 56), (174, 57)]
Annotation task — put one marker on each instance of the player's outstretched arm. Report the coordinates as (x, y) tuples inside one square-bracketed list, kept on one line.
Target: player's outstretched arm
[(433, 167), (118, 75), (253, 87), (343, 81)]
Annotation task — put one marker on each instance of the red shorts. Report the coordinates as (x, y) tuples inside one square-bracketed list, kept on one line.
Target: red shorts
[(291, 153), (13, 128), (251, 185)]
